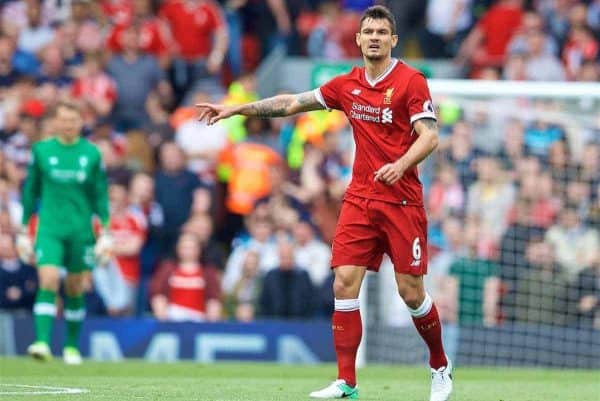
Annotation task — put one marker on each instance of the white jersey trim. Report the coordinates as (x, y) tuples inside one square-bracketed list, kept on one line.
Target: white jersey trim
[(425, 114), (320, 98), (383, 74)]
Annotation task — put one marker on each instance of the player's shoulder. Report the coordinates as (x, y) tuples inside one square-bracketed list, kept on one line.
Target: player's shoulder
[(90, 147), (351, 75), (406, 71), (43, 144)]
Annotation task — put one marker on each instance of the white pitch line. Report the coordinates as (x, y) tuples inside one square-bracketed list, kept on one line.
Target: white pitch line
[(45, 390)]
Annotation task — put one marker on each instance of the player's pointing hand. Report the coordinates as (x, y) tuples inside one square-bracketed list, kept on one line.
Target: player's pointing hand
[(390, 173), (213, 112)]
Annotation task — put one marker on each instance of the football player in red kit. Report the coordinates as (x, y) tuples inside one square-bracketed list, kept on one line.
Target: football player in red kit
[(390, 110)]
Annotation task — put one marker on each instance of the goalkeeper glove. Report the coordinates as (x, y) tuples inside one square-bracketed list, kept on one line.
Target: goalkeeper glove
[(103, 248), (25, 246)]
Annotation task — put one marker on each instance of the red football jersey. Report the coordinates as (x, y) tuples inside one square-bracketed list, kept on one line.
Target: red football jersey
[(153, 39), (186, 289), (121, 227), (192, 26), (381, 113)]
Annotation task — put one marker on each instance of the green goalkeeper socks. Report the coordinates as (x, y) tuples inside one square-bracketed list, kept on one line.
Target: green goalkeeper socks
[(74, 315), (44, 311)]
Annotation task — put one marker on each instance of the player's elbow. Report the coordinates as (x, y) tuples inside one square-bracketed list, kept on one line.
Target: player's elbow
[(435, 141)]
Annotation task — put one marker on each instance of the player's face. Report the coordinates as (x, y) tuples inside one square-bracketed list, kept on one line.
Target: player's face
[(68, 123), (375, 39)]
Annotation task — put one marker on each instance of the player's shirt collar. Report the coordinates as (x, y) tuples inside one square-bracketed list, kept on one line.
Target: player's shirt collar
[(383, 75)]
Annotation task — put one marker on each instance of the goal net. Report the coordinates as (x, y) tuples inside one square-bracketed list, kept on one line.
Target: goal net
[(513, 200)]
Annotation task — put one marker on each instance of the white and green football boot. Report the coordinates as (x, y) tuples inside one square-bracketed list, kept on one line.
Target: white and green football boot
[(337, 389), (40, 351), (72, 356)]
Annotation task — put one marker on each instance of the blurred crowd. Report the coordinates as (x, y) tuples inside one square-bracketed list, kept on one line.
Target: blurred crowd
[(235, 221)]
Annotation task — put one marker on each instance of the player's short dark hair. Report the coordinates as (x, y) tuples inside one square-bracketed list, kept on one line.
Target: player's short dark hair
[(67, 104), (379, 12)]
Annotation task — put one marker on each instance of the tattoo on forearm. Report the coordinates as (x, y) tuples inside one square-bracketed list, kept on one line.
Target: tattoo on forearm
[(272, 107)]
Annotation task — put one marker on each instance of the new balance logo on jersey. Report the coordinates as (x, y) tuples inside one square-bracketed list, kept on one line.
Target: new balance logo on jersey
[(356, 92), (386, 116), (415, 263), (53, 160)]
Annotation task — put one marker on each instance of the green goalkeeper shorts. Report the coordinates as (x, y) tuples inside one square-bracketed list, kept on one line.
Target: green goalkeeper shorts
[(76, 255)]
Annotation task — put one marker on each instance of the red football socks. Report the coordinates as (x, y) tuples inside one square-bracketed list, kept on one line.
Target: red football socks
[(427, 322), (347, 332)]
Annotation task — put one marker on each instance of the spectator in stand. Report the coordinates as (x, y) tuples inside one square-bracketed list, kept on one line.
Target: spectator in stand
[(201, 225), (94, 89), (514, 149), (112, 156), (81, 32), (559, 159), (128, 229), (515, 239), (574, 244), (141, 198), (487, 43), (333, 37), (9, 200), (514, 68), (136, 76), (200, 35), (489, 200), (53, 69), (474, 283), (18, 146), (202, 143), (311, 254), (118, 12), (35, 34), (248, 165), (563, 15), (446, 195), (541, 135), (532, 23), (15, 14), (261, 240), (154, 36), (18, 281), (243, 299), (8, 73), (581, 46), (541, 65), (541, 293), (589, 165), (185, 289), (447, 24), (460, 152), (174, 191), (585, 296), (578, 196), (287, 291)]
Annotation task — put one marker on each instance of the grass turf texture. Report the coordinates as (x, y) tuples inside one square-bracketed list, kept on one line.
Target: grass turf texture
[(138, 380)]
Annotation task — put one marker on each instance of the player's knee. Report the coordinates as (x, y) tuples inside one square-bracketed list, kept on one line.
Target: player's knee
[(344, 288), (412, 297), (74, 284), (49, 278)]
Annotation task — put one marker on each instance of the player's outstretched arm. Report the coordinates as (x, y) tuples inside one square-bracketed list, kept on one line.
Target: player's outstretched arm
[(276, 106), (427, 129)]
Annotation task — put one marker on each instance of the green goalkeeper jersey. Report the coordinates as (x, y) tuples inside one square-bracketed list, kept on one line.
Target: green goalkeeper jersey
[(69, 181)]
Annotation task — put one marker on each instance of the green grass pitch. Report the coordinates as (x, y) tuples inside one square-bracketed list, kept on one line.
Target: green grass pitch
[(138, 380)]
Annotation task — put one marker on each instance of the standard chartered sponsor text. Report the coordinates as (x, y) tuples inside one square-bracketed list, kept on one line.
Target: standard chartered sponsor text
[(365, 112)]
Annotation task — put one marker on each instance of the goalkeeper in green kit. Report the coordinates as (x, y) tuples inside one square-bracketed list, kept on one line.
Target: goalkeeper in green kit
[(67, 184)]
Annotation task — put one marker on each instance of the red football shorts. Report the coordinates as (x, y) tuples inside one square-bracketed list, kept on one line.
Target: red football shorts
[(367, 228)]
